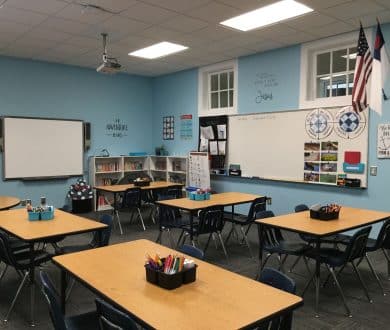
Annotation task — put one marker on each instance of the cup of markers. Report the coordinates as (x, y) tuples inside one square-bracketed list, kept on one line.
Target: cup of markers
[(170, 272), (40, 213)]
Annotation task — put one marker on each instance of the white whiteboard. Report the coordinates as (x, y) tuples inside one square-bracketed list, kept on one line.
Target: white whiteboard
[(272, 145), (37, 148)]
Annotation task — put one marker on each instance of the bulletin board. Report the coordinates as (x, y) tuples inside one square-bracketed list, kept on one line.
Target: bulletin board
[(313, 146)]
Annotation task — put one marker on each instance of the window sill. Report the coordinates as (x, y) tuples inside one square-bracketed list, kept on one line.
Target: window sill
[(326, 102)]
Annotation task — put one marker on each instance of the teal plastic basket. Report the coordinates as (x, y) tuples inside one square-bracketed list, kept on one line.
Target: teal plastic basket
[(34, 216), (47, 215)]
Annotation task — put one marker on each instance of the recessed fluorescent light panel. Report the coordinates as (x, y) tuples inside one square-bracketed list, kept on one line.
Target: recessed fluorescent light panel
[(278, 11), (158, 50)]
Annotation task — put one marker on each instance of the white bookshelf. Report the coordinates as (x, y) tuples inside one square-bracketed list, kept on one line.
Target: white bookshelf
[(108, 170)]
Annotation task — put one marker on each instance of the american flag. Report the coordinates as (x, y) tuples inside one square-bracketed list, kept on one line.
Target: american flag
[(363, 70)]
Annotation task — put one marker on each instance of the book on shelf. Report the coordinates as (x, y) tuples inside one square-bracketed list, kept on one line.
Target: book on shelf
[(107, 167)]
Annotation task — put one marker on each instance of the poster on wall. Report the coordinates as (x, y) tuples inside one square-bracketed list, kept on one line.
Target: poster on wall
[(383, 141), (169, 128), (186, 127)]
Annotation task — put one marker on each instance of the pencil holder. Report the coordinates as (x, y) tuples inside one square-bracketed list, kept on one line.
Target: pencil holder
[(34, 216), (189, 275), (47, 215), (322, 215)]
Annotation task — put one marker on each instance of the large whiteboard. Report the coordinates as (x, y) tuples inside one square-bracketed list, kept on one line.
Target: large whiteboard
[(39, 148), (272, 145)]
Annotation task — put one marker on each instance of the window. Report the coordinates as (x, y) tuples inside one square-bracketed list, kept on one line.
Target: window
[(327, 70), (334, 72), (218, 89)]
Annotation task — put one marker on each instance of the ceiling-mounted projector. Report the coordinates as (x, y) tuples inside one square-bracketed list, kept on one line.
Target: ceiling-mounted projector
[(110, 65)]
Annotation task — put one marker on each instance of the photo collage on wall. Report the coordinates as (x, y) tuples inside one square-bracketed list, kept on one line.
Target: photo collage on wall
[(320, 161), (169, 128)]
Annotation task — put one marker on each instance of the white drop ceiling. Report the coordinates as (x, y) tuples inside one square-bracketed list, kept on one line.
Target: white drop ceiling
[(63, 31)]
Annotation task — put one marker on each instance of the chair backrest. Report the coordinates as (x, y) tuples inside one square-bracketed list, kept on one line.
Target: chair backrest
[(192, 251), (383, 236), (6, 253), (211, 220), (279, 281), (166, 217), (258, 205), (176, 191), (106, 232), (272, 236), (301, 208), (357, 245), (65, 208), (111, 318), (131, 198), (52, 299)]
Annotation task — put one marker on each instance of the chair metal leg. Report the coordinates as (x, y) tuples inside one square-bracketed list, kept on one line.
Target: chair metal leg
[(3, 272), (311, 280), (223, 246), (180, 238), (119, 222), (215, 241), (72, 283), (331, 270), (361, 282), (230, 234), (294, 264), (25, 277), (246, 241), (171, 242), (247, 230), (158, 240), (388, 263), (265, 261), (328, 277), (375, 274), (207, 243), (142, 219)]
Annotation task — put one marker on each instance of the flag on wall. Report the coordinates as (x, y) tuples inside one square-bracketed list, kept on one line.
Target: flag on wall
[(363, 69), (380, 71)]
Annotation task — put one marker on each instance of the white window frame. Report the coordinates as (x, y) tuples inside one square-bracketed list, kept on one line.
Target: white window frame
[(204, 74), (307, 93)]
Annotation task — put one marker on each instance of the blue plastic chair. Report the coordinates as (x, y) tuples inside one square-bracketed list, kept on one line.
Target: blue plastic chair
[(111, 318), (278, 280), (84, 321), (192, 251)]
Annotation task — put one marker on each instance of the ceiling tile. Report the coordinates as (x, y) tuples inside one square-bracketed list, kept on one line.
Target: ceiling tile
[(64, 25), (6, 38), (321, 4), (80, 14), (29, 41), (306, 22), (84, 41), (40, 6), (112, 5), (273, 31), (213, 32), (384, 3), (13, 28), (267, 45), (214, 12), (332, 29), (22, 16), (22, 52), (178, 5), (48, 34), (71, 50), (160, 33), (297, 38), (370, 20), (184, 24), (353, 9), (148, 13), (247, 5)]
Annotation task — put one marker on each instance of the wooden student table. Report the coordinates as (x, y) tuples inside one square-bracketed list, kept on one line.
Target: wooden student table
[(16, 223), (349, 218), (6, 202), (218, 299), (223, 199)]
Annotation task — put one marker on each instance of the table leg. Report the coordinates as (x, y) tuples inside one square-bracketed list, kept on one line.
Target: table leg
[(63, 290), (32, 285), (192, 228), (317, 274), (260, 229), (100, 237), (97, 199), (116, 214)]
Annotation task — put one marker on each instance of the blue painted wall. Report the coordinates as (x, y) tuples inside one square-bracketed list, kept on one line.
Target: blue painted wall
[(38, 89), (175, 95), (277, 73)]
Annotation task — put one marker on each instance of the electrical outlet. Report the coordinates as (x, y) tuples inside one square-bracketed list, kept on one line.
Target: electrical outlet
[(373, 170), (23, 202)]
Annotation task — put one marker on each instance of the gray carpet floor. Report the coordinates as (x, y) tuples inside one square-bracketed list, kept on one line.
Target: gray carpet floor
[(366, 315)]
